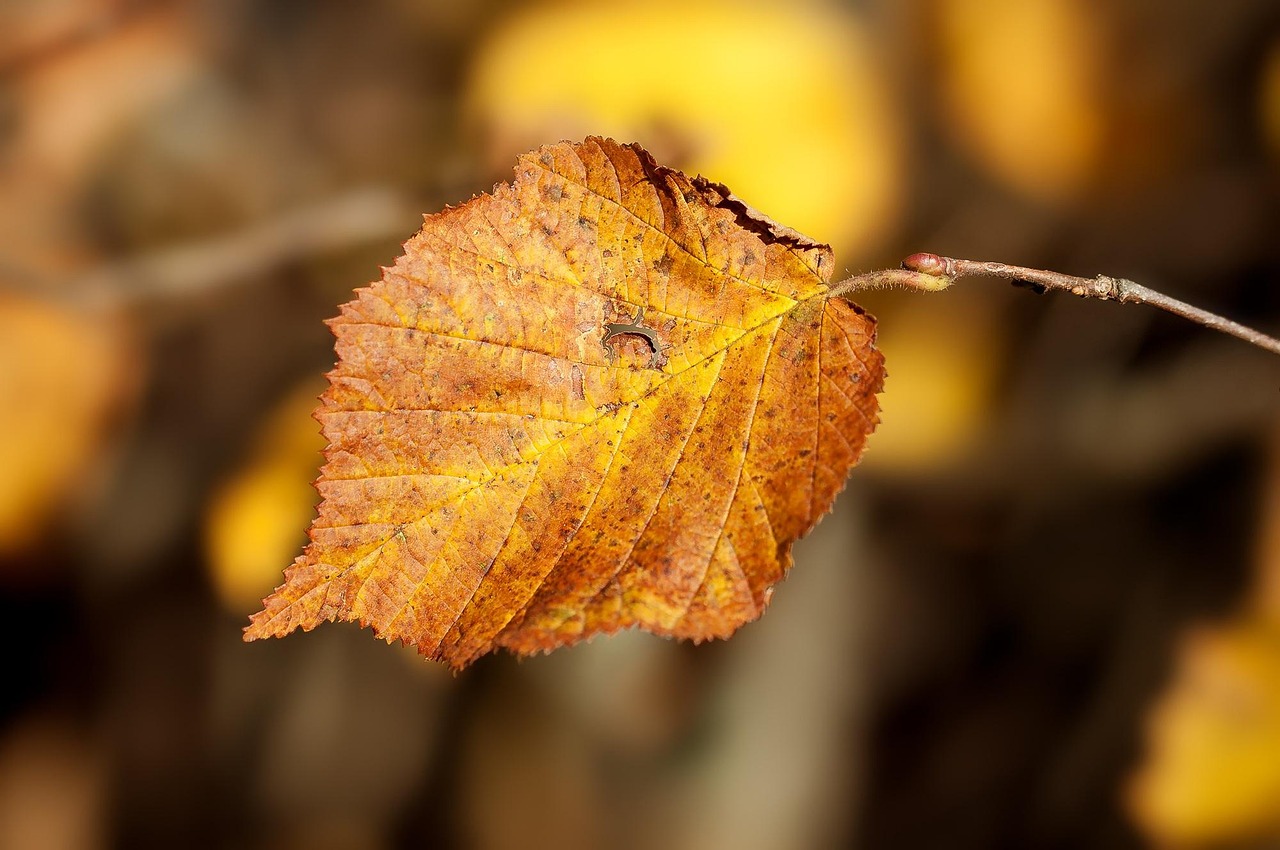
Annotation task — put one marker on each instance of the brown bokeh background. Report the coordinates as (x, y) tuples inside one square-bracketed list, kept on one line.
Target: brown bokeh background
[(1045, 612)]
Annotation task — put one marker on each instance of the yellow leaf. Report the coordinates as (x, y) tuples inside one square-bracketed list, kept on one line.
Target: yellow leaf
[(605, 395)]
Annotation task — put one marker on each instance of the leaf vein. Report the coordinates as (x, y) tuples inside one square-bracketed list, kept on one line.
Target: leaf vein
[(755, 405)]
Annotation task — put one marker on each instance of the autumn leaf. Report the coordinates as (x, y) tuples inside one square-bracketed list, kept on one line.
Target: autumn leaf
[(606, 395)]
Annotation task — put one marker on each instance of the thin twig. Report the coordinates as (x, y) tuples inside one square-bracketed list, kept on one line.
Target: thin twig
[(931, 273)]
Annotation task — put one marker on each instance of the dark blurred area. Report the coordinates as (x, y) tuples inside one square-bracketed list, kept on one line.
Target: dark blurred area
[(1045, 612)]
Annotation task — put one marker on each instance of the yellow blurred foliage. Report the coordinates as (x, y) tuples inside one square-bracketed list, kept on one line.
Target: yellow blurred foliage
[(785, 104), (942, 356), (1212, 776), (1020, 86), (62, 374), (255, 519)]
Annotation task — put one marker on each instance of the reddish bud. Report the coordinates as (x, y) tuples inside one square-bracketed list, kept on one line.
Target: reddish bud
[(930, 264)]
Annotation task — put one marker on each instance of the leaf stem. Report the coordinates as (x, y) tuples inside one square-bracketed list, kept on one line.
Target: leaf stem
[(932, 273)]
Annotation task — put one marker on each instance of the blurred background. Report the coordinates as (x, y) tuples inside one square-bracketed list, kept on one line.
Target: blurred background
[(1045, 612)]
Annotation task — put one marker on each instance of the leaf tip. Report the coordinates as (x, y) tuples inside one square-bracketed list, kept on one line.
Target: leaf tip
[(251, 632)]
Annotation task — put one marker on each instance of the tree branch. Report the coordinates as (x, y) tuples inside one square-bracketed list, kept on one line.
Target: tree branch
[(931, 273), (195, 269)]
